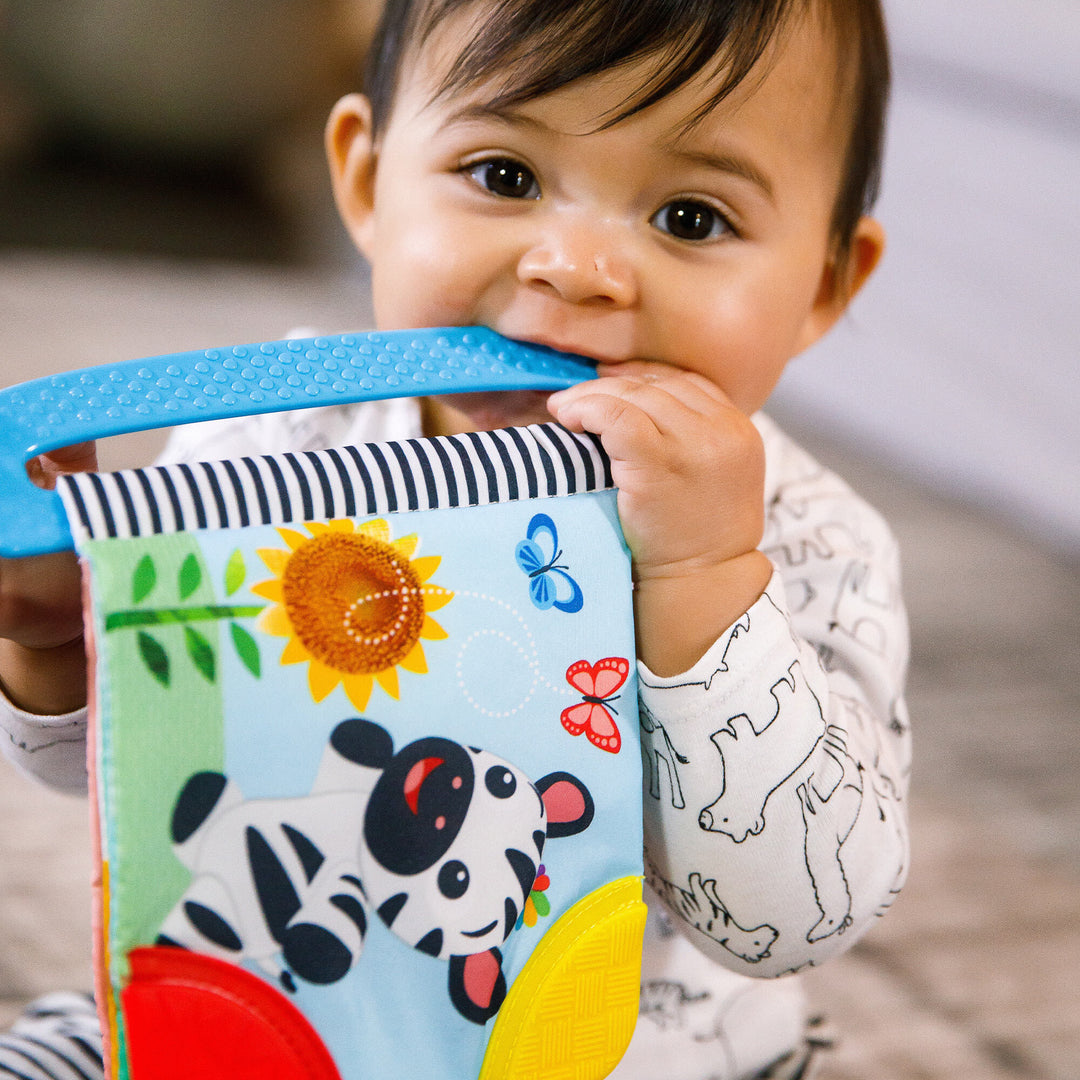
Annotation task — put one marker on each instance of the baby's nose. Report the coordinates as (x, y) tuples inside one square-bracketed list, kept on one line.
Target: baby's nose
[(582, 265)]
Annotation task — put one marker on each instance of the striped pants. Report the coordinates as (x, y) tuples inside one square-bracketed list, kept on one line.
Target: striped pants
[(57, 1038)]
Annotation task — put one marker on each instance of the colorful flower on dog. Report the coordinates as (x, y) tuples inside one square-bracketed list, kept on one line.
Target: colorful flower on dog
[(353, 603), (536, 903)]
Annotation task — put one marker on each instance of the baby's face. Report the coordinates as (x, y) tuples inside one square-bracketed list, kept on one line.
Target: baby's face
[(706, 249)]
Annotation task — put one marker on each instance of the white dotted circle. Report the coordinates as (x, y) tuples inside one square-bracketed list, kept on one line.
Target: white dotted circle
[(523, 648)]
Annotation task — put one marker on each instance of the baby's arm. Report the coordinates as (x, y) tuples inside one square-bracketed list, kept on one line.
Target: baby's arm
[(788, 745), (42, 662), (42, 656), (776, 763)]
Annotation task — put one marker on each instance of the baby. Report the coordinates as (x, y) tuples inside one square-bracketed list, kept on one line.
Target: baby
[(677, 190)]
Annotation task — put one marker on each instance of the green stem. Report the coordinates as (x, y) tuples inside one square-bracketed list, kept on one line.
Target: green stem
[(160, 616)]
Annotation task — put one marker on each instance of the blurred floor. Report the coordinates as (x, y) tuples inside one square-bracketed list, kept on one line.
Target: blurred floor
[(973, 974)]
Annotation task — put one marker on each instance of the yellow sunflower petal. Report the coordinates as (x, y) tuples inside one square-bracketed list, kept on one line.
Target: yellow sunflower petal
[(432, 630), (388, 680), (295, 652), (407, 545), (293, 538), (321, 680), (317, 528), (276, 560), (275, 621), (345, 525), (436, 597), (426, 565), (270, 589), (377, 529), (414, 660), (358, 689)]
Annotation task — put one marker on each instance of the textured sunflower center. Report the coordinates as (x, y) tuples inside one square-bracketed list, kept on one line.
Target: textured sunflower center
[(353, 601)]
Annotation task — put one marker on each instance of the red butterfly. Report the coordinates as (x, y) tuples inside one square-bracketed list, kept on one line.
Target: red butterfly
[(597, 684)]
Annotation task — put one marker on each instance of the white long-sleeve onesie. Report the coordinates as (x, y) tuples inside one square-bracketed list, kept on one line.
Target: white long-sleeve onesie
[(775, 769)]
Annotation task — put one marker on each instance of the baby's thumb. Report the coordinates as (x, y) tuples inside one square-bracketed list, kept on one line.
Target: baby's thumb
[(45, 468)]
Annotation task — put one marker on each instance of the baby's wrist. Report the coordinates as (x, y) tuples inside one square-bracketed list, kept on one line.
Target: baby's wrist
[(679, 614)]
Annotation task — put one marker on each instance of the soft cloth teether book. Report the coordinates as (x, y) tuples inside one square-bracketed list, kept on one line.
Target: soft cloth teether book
[(365, 739)]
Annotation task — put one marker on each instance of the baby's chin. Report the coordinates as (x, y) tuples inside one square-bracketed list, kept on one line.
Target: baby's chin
[(453, 413)]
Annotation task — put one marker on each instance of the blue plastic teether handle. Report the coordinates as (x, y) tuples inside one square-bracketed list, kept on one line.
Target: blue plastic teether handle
[(211, 384)]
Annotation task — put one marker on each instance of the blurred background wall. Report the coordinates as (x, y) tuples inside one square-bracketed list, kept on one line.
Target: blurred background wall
[(183, 128), (961, 362)]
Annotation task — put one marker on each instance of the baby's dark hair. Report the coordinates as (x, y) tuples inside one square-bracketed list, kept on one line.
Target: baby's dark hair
[(538, 46)]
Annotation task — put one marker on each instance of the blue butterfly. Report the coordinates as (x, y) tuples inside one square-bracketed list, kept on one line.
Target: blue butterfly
[(548, 581)]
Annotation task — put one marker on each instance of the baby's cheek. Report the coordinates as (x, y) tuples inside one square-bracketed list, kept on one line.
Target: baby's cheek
[(741, 340), (424, 280)]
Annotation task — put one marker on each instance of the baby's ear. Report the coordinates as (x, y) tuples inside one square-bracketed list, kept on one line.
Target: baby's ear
[(350, 152), (843, 276), (867, 247)]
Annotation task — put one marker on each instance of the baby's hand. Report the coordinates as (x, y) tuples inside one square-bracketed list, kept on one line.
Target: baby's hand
[(689, 466), (690, 469), (42, 660)]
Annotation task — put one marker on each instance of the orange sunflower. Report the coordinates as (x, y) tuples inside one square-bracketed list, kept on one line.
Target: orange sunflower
[(353, 603)]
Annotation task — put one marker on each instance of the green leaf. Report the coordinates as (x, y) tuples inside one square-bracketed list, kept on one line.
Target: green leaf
[(143, 580), (201, 653), (190, 576), (247, 648), (235, 572), (154, 657)]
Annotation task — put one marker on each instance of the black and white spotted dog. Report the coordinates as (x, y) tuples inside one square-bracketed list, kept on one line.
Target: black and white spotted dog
[(440, 840)]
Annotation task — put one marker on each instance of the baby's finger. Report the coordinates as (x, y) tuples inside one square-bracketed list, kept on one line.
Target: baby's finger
[(636, 421), (650, 371), (45, 468), (673, 406), (606, 409)]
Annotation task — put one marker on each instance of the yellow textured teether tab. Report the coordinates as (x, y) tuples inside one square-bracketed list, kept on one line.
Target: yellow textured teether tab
[(570, 1013)]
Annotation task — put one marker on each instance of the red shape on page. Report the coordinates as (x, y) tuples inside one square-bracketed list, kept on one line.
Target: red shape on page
[(188, 1015)]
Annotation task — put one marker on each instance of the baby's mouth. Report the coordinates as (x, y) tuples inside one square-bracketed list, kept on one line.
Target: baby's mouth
[(561, 347)]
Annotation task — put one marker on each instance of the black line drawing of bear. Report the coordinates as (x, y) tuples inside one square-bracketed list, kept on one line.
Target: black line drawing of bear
[(440, 840), (835, 784), (838, 785)]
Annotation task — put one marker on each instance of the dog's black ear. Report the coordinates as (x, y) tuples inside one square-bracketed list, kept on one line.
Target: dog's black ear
[(363, 742), (477, 985), (195, 804), (569, 805)]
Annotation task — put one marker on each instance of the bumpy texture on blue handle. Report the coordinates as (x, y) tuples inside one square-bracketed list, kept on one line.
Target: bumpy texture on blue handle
[(211, 384)]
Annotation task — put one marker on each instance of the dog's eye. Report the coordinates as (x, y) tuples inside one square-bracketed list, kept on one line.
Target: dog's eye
[(500, 781), (453, 879)]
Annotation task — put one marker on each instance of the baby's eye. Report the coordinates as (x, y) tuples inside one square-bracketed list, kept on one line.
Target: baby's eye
[(505, 177), (688, 219)]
